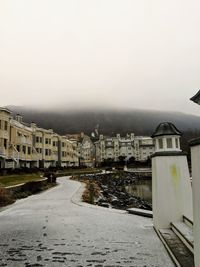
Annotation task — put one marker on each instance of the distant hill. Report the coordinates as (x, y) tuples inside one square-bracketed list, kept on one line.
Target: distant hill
[(140, 122)]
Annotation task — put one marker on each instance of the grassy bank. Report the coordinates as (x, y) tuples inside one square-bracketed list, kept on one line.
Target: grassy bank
[(31, 184), (15, 179), (5, 197)]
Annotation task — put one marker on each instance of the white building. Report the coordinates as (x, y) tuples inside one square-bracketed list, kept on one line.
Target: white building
[(86, 149), (130, 146), (143, 147)]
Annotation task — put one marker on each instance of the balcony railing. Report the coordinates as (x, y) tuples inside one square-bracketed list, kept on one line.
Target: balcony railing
[(24, 140), (2, 151)]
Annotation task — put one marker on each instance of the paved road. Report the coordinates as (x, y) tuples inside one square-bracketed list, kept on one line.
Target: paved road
[(49, 229)]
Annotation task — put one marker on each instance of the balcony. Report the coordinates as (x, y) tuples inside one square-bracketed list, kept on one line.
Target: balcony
[(24, 140), (4, 134), (2, 152), (36, 157), (13, 154)]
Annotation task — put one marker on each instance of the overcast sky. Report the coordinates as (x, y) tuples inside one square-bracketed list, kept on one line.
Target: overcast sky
[(120, 53)]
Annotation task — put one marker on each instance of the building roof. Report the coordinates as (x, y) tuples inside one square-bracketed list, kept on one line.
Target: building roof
[(196, 98), (5, 110), (166, 128)]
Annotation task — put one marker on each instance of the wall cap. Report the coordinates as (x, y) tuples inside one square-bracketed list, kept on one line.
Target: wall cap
[(194, 142), (169, 153)]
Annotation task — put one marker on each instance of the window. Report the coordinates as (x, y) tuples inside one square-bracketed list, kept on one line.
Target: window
[(5, 143), (24, 149), (160, 143), (29, 150), (176, 142), (18, 148), (47, 152), (169, 142), (47, 141), (5, 125)]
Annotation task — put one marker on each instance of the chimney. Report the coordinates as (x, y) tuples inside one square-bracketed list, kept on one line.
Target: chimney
[(33, 125), (19, 118)]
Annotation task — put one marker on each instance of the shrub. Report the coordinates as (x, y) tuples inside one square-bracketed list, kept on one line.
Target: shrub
[(5, 197)]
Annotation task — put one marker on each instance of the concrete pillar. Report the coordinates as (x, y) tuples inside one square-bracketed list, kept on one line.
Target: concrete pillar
[(195, 154), (171, 189)]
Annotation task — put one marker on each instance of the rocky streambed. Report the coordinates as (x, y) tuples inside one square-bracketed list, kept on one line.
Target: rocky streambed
[(112, 191)]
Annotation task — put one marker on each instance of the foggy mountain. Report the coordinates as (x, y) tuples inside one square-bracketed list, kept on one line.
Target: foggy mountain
[(140, 122)]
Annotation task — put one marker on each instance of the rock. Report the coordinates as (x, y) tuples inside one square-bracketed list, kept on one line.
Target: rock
[(104, 204)]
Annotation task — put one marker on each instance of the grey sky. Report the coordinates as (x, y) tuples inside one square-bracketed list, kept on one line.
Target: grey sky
[(123, 53)]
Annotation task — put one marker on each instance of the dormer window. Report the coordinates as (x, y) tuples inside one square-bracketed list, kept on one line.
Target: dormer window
[(169, 142), (166, 137), (176, 143), (160, 142)]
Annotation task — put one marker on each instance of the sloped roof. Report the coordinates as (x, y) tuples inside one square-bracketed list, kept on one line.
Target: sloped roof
[(196, 98), (5, 109), (166, 128)]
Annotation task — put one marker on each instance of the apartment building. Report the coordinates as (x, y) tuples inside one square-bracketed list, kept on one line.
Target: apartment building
[(5, 116), (69, 153), (23, 145), (86, 149), (87, 152), (117, 147), (21, 149), (143, 147), (45, 143)]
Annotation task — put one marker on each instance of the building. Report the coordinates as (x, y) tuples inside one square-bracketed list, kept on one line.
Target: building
[(24, 145), (143, 147), (117, 148), (27, 145), (86, 149), (5, 117)]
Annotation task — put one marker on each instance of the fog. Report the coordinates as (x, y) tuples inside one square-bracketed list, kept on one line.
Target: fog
[(103, 54)]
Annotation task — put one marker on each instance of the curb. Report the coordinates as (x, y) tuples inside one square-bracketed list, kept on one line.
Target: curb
[(76, 199)]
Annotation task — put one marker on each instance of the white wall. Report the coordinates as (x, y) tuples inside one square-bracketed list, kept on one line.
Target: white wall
[(171, 190), (195, 152)]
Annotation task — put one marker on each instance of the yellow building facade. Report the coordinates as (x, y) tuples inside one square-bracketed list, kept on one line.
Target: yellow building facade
[(28, 146)]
